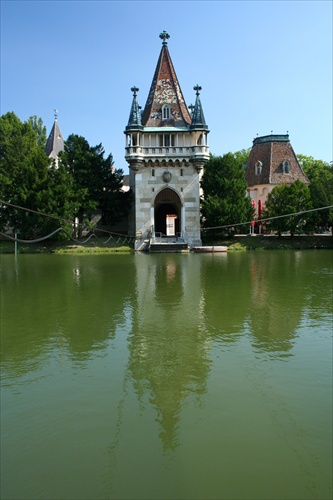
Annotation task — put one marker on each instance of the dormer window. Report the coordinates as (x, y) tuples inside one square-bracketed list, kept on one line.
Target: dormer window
[(258, 167), (166, 112), (286, 167)]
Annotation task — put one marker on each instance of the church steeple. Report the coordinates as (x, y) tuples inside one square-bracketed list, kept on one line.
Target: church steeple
[(165, 105), (55, 141), (134, 121), (198, 119)]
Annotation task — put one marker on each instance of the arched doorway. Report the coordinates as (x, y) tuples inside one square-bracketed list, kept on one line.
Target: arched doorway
[(167, 203)]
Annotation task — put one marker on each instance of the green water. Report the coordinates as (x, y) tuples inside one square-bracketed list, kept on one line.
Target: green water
[(167, 376)]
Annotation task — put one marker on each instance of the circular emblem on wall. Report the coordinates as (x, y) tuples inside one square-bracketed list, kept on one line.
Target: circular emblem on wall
[(166, 176)]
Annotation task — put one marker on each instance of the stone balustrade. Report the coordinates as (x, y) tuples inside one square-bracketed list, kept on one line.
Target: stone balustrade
[(166, 151)]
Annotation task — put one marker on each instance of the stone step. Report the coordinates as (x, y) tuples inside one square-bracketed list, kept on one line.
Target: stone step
[(168, 247)]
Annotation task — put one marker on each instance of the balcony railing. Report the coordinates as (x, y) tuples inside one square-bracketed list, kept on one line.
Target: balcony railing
[(170, 151)]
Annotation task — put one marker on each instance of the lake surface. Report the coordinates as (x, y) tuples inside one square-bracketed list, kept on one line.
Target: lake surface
[(201, 376)]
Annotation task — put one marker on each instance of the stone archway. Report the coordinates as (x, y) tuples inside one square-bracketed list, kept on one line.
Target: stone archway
[(167, 202)]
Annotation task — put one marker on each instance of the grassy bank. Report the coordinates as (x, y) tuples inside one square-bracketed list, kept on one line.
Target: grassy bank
[(236, 243), (260, 242), (63, 247)]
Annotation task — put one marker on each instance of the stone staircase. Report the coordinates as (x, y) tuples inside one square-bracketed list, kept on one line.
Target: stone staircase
[(168, 245)]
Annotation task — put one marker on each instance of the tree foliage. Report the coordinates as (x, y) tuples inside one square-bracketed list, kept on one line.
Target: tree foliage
[(39, 129), (224, 191), (320, 175), (242, 156), (82, 182), (23, 175), (287, 199), (96, 183)]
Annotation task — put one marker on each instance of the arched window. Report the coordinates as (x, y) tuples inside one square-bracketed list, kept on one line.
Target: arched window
[(166, 112), (258, 167), (286, 167)]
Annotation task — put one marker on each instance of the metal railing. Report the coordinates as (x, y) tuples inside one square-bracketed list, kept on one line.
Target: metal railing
[(163, 238)]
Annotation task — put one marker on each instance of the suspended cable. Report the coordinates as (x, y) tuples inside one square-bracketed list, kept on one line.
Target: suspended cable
[(267, 219), (130, 238), (38, 240), (60, 219)]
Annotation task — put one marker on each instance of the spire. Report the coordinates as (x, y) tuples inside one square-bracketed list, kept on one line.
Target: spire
[(165, 105), (198, 119), (55, 141), (134, 120)]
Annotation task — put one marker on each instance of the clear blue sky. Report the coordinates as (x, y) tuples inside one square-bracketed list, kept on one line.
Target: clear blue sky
[(262, 65)]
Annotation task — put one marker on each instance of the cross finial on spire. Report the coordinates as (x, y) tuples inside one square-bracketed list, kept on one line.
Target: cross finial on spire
[(164, 36), (55, 114), (134, 90), (197, 89)]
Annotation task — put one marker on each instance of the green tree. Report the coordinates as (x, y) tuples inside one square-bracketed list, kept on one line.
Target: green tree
[(28, 180), (78, 160), (320, 175), (96, 183), (39, 129), (287, 199), (113, 202), (23, 175), (242, 156), (224, 191)]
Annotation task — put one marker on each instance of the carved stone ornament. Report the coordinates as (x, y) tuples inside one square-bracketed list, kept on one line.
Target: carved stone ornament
[(166, 176)]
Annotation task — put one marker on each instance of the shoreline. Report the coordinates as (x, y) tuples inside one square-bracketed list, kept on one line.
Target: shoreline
[(235, 243)]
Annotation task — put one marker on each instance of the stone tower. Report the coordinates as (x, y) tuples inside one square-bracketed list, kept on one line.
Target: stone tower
[(166, 149)]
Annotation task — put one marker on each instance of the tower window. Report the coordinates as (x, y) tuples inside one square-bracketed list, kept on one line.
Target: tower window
[(258, 167), (166, 112), (286, 167), (153, 172)]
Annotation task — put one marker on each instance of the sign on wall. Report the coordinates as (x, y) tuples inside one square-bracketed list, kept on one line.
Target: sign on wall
[(171, 225)]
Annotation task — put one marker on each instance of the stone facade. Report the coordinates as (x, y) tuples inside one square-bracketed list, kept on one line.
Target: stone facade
[(166, 149)]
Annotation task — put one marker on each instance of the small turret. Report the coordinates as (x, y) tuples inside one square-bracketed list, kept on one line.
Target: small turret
[(198, 119), (134, 121)]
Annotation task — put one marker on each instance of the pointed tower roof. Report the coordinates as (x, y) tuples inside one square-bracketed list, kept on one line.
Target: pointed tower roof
[(134, 121), (165, 91), (198, 119), (55, 141)]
